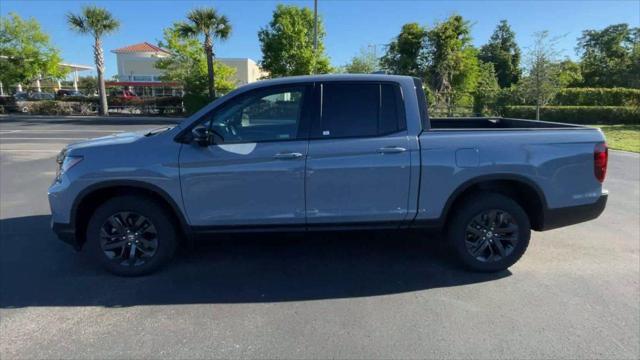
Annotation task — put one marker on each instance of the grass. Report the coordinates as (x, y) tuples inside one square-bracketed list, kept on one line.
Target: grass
[(622, 137)]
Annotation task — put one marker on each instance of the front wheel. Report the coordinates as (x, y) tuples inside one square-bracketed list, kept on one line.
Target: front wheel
[(131, 235), (489, 232)]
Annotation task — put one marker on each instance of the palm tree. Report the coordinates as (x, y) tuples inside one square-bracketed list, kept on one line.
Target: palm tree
[(97, 22), (208, 23)]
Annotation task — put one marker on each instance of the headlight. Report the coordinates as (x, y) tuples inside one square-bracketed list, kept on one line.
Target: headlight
[(65, 163)]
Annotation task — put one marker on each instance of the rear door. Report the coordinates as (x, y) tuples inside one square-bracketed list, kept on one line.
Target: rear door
[(358, 164)]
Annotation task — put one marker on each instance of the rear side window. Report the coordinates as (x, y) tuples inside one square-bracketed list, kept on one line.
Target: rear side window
[(391, 115), (359, 110)]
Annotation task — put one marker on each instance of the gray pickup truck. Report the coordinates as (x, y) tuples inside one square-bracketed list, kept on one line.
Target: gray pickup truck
[(332, 152)]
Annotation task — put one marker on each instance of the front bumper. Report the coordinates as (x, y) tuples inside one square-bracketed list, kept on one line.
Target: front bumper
[(555, 218)]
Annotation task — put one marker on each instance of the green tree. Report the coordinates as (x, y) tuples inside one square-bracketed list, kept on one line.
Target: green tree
[(287, 43), (487, 90), (187, 64), (206, 22), (569, 73), (452, 62), (25, 52), (405, 55), (503, 52), (541, 81), (365, 63), (610, 56), (96, 22), (634, 81), (88, 84)]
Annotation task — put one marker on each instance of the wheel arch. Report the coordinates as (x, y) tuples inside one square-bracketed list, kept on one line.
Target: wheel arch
[(520, 188), (94, 195)]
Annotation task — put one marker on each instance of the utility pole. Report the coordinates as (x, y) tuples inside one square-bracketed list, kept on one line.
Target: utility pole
[(315, 34)]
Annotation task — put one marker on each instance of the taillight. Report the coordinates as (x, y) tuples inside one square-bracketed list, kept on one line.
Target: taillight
[(600, 160)]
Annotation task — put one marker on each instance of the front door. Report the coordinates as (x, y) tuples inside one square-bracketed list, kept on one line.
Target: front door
[(254, 173), (358, 165)]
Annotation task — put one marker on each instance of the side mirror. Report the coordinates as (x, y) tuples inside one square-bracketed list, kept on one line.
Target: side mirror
[(201, 136)]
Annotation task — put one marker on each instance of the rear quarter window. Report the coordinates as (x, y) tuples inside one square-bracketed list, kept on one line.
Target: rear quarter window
[(360, 110)]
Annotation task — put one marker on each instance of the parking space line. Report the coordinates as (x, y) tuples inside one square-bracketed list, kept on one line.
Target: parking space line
[(40, 138), (30, 150), (46, 131)]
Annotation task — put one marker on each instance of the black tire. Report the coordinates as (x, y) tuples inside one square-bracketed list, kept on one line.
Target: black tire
[(159, 233), (471, 230)]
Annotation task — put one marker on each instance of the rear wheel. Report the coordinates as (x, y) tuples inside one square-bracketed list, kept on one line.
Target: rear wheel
[(489, 232), (131, 235)]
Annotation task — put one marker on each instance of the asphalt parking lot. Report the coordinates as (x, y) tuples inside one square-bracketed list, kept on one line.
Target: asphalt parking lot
[(575, 294)]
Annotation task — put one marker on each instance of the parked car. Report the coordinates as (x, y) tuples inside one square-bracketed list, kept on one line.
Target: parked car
[(66, 92), (330, 152), (124, 94), (21, 96), (35, 96)]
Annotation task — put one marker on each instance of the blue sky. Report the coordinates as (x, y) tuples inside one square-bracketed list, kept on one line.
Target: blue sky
[(350, 25)]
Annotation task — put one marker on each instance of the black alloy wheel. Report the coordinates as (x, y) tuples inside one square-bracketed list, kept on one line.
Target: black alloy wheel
[(491, 235), (128, 238)]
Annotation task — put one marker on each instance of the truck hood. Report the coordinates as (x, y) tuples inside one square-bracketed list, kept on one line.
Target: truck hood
[(115, 139)]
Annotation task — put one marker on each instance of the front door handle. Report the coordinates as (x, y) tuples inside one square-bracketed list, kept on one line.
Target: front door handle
[(288, 156), (391, 150)]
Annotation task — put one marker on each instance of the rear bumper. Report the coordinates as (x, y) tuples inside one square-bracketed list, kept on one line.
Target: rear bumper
[(555, 218), (66, 233)]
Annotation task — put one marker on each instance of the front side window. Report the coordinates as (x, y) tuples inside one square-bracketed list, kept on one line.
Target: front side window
[(268, 115), (359, 110)]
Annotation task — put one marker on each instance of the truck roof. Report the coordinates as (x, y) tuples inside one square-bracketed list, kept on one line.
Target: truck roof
[(332, 77), (303, 79)]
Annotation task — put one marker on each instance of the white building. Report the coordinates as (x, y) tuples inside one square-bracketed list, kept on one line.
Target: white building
[(136, 70), (136, 62), (247, 71)]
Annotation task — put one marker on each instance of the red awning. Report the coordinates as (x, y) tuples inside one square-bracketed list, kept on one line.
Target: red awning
[(142, 83)]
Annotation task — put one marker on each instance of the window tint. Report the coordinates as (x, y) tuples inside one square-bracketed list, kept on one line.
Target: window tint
[(263, 116), (359, 110), (349, 110), (389, 110)]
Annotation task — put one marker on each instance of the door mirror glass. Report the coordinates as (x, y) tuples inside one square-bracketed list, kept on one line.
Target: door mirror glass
[(201, 136), (204, 136)]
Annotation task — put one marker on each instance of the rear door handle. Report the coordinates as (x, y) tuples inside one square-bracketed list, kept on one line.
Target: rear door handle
[(391, 150), (288, 156)]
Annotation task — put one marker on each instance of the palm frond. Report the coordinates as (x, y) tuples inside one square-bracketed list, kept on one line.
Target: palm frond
[(207, 21), (186, 30), (77, 23), (94, 20), (223, 28)]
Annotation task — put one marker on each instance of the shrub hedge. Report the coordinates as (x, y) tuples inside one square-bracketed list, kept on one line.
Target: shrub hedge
[(195, 102), (52, 107), (577, 114), (597, 97)]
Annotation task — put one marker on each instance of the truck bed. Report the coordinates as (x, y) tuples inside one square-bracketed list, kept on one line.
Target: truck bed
[(495, 123)]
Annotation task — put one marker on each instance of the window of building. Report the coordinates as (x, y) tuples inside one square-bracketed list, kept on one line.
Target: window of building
[(142, 78)]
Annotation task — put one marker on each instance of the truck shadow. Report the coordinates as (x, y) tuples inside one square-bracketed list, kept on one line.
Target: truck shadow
[(36, 269)]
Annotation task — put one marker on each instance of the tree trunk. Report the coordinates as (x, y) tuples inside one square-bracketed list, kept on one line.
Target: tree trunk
[(208, 49), (99, 59), (538, 109)]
